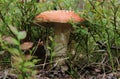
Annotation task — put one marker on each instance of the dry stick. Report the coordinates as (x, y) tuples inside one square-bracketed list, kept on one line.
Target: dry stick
[(103, 65), (5, 74), (104, 46), (47, 53), (45, 59), (51, 63), (36, 46), (103, 77), (38, 25), (62, 59), (117, 60), (86, 65)]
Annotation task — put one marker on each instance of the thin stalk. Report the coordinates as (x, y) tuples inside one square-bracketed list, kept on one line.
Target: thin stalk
[(87, 47), (3, 19), (93, 36), (115, 10), (94, 7), (109, 51)]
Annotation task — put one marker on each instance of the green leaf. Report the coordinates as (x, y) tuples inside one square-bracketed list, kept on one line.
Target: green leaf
[(28, 64), (14, 51), (49, 48), (84, 31), (26, 69), (20, 76), (16, 42), (35, 60), (50, 37), (14, 30), (21, 35)]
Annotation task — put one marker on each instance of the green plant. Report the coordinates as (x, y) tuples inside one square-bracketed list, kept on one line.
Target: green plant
[(105, 18), (94, 40), (101, 25), (15, 17), (24, 67)]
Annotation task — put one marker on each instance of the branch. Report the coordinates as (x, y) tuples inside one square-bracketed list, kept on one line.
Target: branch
[(104, 46)]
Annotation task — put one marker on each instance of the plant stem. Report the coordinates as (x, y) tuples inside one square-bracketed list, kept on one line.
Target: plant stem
[(3, 19), (109, 51), (87, 47), (115, 10)]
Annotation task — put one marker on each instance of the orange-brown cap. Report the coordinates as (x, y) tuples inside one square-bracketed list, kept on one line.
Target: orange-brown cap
[(60, 16), (26, 45)]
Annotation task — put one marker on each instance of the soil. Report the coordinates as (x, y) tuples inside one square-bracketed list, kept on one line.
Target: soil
[(90, 72)]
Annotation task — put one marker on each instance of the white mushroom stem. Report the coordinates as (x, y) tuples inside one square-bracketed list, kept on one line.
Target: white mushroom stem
[(62, 32)]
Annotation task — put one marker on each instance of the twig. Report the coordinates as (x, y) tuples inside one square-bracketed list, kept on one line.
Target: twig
[(95, 8), (5, 74), (45, 60), (36, 46), (104, 46), (62, 59), (37, 24)]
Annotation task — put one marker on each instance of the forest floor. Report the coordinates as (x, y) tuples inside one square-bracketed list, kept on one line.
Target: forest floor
[(90, 72)]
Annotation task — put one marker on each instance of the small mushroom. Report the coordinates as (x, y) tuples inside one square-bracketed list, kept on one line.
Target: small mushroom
[(8, 39), (59, 20), (23, 46), (26, 45)]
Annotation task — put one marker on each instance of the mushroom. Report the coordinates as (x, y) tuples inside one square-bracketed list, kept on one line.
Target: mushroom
[(59, 21), (26, 45), (23, 46), (8, 39)]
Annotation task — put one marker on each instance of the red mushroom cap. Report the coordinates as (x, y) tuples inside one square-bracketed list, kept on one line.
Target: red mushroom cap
[(61, 16)]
